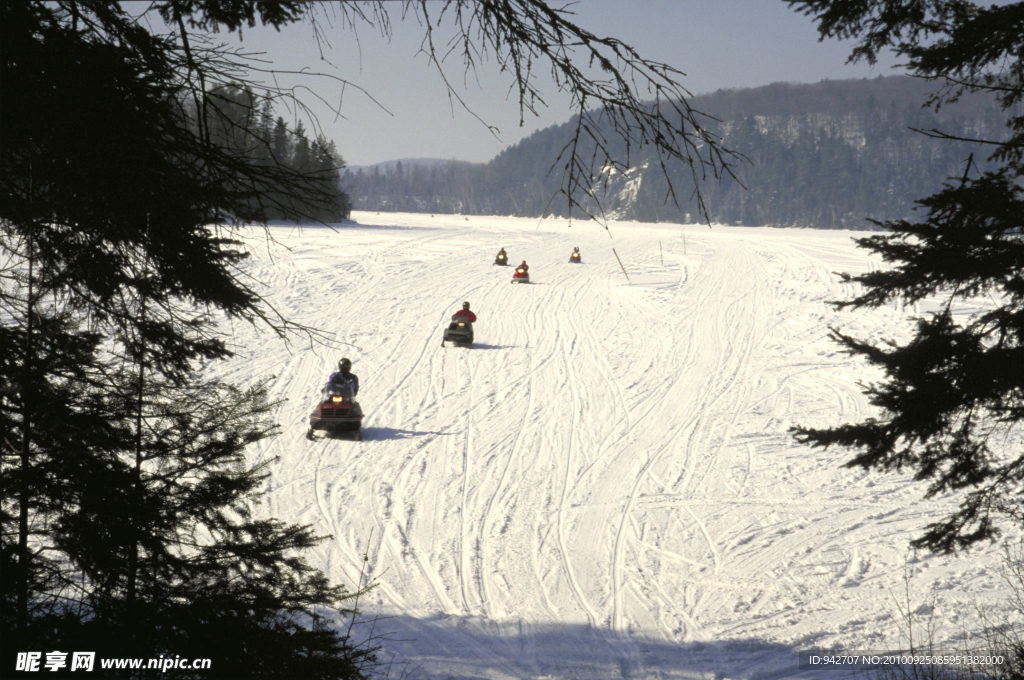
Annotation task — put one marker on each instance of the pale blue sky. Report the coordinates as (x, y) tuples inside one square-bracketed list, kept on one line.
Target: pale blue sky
[(717, 43)]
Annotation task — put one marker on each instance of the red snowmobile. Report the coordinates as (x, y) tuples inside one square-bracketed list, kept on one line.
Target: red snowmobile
[(337, 412), (522, 274)]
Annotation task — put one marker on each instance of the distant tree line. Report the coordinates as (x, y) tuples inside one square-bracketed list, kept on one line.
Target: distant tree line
[(515, 182), (831, 154)]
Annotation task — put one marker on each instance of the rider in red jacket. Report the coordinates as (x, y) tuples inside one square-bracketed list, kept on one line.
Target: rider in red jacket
[(465, 312)]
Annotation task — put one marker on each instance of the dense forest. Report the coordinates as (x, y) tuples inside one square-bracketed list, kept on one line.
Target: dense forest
[(244, 123), (831, 154)]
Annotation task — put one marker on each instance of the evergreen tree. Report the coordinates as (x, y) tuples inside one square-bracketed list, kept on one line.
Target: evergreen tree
[(325, 179), (952, 401), (231, 118), (301, 156), (281, 147), (127, 512), (263, 132)]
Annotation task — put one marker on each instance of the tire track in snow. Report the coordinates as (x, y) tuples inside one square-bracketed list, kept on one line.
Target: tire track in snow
[(623, 413), (712, 390), (788, 407), (462, 546), (567, 481), (514, 456), (485, 522), (740, 346), (613, 588)]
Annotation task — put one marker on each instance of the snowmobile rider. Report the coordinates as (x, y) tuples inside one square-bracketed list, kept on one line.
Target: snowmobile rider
[(502, 255), (525, 267), (344, 375), (465, 312)]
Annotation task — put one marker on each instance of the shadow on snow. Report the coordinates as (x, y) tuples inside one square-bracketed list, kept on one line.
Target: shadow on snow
[(471, 648), (481, 345), (382, 433)]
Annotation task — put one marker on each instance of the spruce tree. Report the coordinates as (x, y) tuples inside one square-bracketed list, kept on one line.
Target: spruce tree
[(951, 406), (128, 513)]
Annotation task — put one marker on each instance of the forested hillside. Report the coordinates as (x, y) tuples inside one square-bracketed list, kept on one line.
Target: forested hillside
[(831, 154)]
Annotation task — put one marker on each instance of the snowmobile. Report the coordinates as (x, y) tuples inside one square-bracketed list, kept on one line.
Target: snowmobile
[(338, 411), (459, 331), (521, 275), (575, 257), (502, 259)]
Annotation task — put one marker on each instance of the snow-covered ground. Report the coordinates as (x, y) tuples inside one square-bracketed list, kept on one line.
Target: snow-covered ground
[(605, 485)]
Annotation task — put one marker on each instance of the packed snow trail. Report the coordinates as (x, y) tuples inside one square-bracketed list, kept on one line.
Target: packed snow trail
[(605, 485)]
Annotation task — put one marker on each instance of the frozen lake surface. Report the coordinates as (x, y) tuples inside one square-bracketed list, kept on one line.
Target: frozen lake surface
[(605, 485)]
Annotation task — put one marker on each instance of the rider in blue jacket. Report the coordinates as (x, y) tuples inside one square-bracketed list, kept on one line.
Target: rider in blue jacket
[(344, 375)]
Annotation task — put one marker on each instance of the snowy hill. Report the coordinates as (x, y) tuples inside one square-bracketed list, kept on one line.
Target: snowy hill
[(604, 487)]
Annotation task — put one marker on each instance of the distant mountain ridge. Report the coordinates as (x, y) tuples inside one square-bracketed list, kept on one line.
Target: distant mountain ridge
[(840, 104), (829, 154)]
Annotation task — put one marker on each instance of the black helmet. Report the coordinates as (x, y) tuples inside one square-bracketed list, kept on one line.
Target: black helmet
[(465, 305), (344, 365)]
